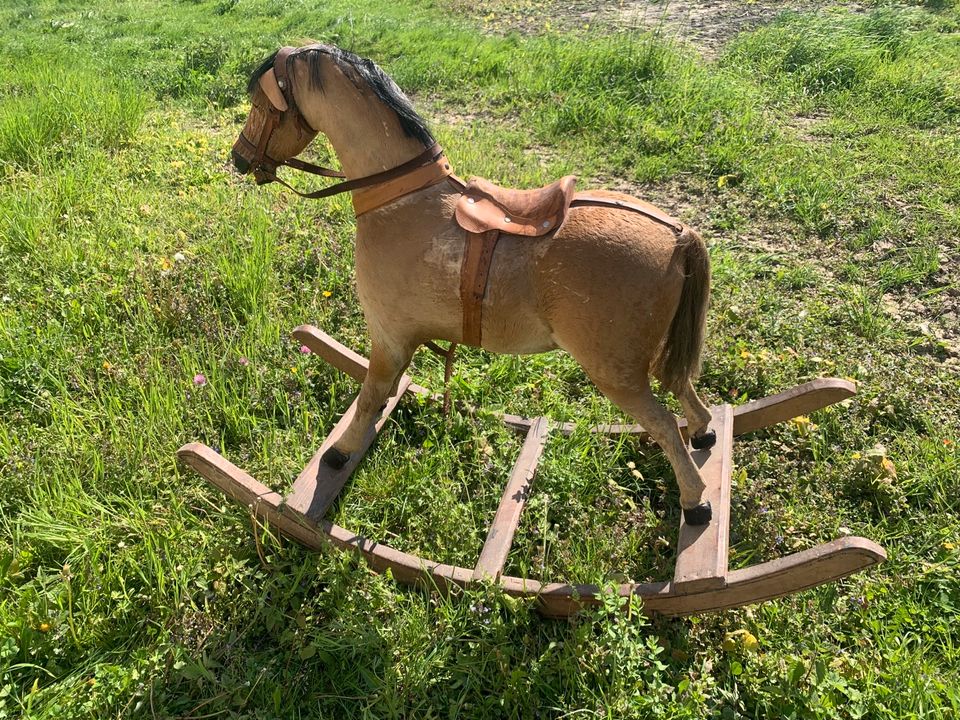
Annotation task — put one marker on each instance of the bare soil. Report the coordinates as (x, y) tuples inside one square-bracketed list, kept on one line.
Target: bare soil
[(706, 24)]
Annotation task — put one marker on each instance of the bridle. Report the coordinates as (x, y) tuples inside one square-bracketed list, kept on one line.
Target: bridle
[(276, 85), (278, 89)]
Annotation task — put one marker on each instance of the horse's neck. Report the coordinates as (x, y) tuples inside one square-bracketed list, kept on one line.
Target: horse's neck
[(365, 134)]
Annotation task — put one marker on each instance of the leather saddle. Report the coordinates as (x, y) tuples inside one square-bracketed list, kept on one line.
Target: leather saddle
[(485, 210), (485, 207)]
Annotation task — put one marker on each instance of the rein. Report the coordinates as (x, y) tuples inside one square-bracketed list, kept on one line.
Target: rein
[(427, 157)]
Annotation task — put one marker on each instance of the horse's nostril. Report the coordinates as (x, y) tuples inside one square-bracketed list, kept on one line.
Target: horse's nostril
[(239, 162)]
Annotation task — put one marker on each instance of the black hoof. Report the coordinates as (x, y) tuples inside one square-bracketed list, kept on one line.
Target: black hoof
[(335, 459), (705, 440), (699, 515)]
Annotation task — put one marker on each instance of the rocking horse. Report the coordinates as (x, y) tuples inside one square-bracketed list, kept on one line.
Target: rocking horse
[(617, 283)]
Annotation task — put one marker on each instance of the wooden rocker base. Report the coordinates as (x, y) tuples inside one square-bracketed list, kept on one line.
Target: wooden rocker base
[(701, 579)]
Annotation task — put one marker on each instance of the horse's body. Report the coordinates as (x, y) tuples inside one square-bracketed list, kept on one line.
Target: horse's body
[(618, 291)]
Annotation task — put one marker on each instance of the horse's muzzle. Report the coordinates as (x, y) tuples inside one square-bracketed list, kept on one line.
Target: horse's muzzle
[(239, 162)]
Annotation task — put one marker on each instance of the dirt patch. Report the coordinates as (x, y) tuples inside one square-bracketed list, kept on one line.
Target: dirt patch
[(805, 126), (706, 24)]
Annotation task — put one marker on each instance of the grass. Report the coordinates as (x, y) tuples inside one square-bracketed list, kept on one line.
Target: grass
[(820, 153)]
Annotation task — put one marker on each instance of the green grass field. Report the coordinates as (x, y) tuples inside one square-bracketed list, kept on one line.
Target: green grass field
[(818, 153)]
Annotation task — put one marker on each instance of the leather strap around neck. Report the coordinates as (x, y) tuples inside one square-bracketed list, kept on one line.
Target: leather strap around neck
[(371, 198)]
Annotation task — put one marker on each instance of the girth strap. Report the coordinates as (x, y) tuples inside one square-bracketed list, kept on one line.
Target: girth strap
[(474, 274)]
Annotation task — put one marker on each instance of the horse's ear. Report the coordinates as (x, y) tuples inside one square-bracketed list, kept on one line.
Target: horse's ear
[(269, 85)]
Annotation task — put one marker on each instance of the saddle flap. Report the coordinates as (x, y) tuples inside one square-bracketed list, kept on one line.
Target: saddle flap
[(485, 206)]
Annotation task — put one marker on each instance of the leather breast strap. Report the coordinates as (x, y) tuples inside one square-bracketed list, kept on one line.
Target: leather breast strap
[(376, 196), (478, 255)]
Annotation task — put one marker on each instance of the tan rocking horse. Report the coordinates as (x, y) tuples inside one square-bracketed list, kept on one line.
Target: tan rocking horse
[(612, 280)]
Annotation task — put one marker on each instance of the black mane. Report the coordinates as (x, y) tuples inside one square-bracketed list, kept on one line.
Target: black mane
[(362, 72), (258, 73)]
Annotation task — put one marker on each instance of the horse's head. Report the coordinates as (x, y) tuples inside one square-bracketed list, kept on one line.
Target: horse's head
[(275, 130)]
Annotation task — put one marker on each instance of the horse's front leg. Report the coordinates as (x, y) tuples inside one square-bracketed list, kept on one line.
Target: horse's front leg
[(388, 360)]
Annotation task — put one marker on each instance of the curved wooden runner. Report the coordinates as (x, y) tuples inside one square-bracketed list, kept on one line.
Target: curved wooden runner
[(701, 580)]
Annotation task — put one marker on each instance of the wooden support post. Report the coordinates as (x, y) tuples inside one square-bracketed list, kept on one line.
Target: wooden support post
[(796, 401), (240, 486), (318, 485), (493, 556), (702, 550), (332, 352)]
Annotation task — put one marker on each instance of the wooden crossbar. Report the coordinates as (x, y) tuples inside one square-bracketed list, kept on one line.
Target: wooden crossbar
[(493, 556), (751, 416), (702, 550), (340, 356), (318, 484)]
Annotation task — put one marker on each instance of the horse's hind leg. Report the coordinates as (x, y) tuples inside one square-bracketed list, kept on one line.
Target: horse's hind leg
[(387, 363), (639, 401), (698, 417)]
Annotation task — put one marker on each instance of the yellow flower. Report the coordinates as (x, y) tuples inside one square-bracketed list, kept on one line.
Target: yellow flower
[(740, 639), (44, 627), (106, 365), (327, 293), (293, 370), (888, 467), (803, 425)]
